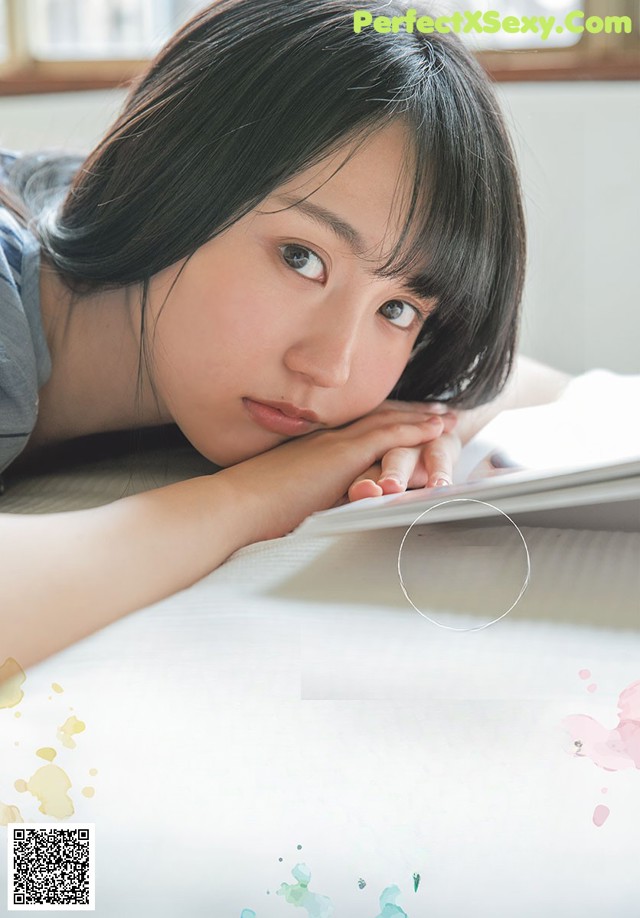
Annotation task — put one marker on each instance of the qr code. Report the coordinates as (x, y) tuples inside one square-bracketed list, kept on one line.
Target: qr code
[(51, 867)]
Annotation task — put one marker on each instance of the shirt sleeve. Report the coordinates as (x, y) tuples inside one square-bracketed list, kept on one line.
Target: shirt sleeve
[(18, 360)]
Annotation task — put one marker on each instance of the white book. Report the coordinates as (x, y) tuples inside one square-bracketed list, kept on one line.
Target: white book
[(574, 463)]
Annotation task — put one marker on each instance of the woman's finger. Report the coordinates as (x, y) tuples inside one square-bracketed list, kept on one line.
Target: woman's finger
[(438, 458), (399, 466), (390, 476), (437, 407), (427, 465), (390, 417), (433, 407), (450, 419), (399, 463), (365, 485)]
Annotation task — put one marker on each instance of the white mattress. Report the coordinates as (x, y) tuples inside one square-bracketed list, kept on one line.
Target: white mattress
[(293, 697)]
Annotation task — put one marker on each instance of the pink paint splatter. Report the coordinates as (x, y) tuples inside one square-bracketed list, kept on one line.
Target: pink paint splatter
[(612, 750), (584, 673), (604, 790), (600, 814), (592, 687)]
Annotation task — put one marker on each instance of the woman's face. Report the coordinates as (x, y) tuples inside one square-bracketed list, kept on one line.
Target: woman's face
[(283, 308)]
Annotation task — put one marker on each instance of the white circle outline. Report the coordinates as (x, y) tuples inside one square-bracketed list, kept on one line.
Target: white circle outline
[(453, 500)]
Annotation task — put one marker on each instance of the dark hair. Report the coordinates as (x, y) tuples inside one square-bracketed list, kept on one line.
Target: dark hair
[(246, 95)]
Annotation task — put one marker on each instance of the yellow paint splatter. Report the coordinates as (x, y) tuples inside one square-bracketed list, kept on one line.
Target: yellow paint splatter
[(20, 785), (93, 771), (17, 714), (11, 678), (57, 688), (88, 791), (9, 814), (70, 726), (47, 753), (50, 785)]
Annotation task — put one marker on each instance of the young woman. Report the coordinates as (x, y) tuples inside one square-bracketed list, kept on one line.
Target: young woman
[(295, 244)]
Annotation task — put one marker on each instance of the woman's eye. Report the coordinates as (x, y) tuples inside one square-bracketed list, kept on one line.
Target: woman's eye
[(303, 260), (402, 314)]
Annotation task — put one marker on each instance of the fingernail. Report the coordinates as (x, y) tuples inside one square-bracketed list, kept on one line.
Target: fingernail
[(441, 483), (435, 421), (390, 484), (435, 407)]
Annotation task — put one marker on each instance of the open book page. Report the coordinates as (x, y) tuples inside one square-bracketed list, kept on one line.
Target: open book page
[(595, 421), (581, 451)]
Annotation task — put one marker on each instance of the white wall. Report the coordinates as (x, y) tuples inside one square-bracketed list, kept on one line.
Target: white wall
[(579, 149), (578, 146)]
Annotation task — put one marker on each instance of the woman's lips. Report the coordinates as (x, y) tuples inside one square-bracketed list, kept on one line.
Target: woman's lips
[(274, 420)]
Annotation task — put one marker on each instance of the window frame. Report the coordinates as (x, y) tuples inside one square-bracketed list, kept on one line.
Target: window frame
[(594, 57)]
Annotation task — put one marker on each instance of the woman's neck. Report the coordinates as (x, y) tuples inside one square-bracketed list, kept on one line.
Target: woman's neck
[(94, 347)]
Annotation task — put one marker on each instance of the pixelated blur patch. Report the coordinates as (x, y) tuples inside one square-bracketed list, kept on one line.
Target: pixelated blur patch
[(51, 867)]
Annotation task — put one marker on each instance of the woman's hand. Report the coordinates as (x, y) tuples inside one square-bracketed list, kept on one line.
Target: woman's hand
[(276, 490), (428, 465)]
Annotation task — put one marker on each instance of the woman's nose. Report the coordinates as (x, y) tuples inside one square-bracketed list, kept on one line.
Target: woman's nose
[(324, 352)]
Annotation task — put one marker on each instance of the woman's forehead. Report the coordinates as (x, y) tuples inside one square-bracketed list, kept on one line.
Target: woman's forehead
[(361, 192)]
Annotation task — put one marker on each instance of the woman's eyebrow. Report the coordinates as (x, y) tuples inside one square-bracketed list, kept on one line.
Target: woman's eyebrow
[(348, 233), (328, 219)]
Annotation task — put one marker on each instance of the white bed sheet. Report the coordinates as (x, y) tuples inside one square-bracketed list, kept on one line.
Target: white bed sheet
[(293, 697)]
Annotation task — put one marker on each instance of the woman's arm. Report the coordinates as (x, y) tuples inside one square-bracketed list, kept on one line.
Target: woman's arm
[(66, 575), (530, 383)]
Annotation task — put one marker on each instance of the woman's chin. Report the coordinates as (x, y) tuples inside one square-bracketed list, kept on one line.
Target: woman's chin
[(225, 456)]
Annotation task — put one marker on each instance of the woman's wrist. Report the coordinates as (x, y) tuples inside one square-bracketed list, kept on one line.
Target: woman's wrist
[(232, 515), (472, 420)]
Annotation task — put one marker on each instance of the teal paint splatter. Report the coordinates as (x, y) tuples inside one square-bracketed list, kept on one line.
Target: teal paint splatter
[(298, 894), (361, 883), (416, 881), (247, 913), (388, 904)]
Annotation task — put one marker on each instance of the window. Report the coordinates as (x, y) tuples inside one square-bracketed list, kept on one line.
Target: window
[(52, 45), (49, 45), (103, 29), (4, 46)]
